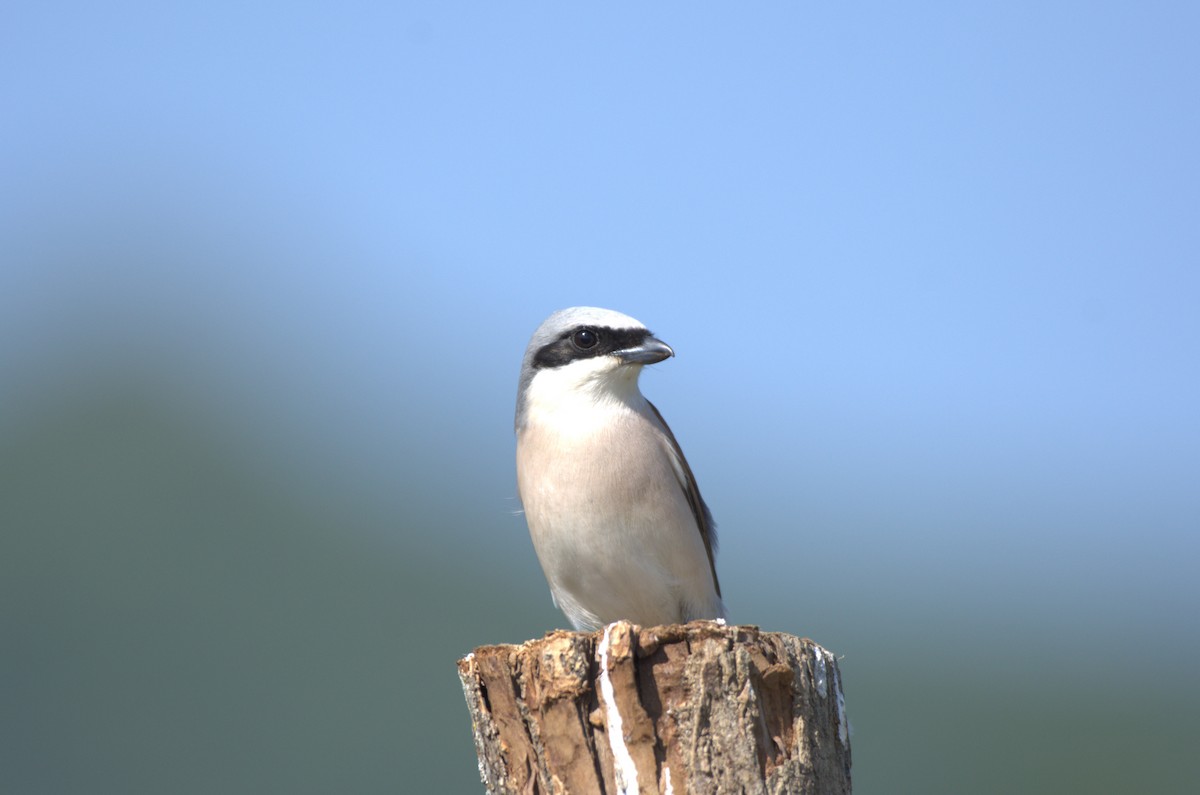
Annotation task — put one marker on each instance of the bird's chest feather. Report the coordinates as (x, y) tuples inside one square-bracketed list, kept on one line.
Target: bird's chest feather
[(597, 465)]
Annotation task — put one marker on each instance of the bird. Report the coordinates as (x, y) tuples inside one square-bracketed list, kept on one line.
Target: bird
[(613, 509)]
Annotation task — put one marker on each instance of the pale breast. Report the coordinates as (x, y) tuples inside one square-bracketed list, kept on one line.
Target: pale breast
[(609, 518)]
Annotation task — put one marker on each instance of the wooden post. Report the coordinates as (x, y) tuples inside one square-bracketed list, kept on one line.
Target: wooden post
[(688, 708)]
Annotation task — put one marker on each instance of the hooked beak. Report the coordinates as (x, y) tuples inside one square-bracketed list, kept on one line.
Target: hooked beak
[(650, 351)]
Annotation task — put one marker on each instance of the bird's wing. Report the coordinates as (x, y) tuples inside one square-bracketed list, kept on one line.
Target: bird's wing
[(704, 520)]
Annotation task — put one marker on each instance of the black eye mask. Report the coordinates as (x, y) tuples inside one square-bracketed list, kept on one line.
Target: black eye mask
[(573, 345)]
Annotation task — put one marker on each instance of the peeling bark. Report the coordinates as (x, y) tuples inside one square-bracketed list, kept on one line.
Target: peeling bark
[(688, 708)]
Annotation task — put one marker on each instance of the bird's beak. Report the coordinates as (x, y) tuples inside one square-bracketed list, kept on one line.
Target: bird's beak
[(650, 351)]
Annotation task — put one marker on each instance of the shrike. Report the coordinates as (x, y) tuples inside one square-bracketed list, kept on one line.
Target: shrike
[(612, 506)]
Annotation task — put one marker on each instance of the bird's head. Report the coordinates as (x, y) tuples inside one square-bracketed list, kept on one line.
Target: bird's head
[(586, 352)]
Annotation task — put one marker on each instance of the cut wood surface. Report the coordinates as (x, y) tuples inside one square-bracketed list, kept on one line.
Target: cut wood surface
[(689, 708)]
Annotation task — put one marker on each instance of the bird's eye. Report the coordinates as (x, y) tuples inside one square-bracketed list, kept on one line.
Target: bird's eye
[(585, 338)]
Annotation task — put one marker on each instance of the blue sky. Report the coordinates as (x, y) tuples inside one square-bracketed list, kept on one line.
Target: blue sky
[(932, 249), (930, 270)]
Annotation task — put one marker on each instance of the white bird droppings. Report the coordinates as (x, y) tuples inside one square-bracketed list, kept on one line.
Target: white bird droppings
[(623, 765), (820, 676), (821, 679)]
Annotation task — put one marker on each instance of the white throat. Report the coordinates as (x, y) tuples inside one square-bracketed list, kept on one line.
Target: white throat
[(585, 393)]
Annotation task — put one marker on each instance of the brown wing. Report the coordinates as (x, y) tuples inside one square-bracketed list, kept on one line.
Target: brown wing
[(704, 520)]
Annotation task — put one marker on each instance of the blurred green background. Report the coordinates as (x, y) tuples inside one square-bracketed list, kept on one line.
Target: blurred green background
[(267, 273)]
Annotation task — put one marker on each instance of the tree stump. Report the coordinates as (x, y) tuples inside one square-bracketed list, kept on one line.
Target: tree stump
[(695, 708)]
